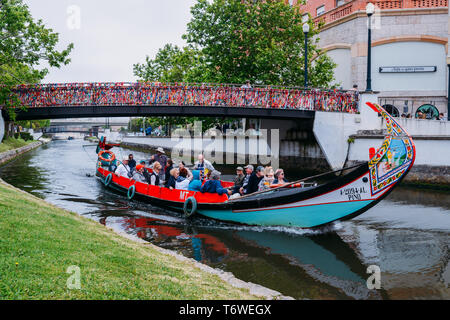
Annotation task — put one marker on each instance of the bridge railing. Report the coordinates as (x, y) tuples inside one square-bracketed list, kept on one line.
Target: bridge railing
[(178, 94)]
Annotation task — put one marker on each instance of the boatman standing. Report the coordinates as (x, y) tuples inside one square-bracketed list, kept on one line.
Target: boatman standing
[(123, 169), (160, 157)]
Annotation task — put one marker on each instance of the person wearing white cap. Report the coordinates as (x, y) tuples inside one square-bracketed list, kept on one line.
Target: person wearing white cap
[(161, 157), (123, 169)]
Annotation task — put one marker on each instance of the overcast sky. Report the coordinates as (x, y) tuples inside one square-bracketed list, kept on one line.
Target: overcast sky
[(110, 36)]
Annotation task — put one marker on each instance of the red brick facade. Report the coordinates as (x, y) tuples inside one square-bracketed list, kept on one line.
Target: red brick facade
[(312, 5), (334, 12)]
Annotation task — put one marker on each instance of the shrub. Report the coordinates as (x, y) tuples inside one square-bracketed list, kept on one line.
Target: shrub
[(23, 135)]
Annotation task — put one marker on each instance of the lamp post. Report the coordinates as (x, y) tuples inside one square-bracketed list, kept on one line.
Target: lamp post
[(306, 31), (448, 92), (370, 8)]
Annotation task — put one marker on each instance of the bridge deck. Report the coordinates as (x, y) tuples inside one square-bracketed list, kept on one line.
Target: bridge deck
[(176, 111), (55, 101)]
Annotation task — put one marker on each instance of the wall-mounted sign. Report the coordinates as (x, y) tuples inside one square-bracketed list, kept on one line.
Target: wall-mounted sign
[(407, 69)]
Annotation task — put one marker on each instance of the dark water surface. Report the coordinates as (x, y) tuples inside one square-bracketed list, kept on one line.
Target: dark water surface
[(407, 235)]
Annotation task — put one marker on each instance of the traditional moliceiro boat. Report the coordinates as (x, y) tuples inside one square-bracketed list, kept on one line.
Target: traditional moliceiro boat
[(294, 204)]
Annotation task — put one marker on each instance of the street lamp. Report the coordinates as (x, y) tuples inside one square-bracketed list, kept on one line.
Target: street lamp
[(448, 92), (306, 31), (370, 8)]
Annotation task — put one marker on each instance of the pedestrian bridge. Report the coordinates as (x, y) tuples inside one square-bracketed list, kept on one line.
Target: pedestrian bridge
[(80, 100)]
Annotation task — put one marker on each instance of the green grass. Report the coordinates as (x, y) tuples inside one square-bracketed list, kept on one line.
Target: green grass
[(39, 241), (11, 143)]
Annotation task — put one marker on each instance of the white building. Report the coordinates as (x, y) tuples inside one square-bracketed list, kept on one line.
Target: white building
[(409, 48)]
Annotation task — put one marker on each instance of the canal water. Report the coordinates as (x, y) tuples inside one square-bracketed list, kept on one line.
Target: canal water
[(406, 236)]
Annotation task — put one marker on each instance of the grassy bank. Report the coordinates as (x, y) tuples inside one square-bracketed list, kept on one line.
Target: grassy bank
[(38, 242), (11, 143)]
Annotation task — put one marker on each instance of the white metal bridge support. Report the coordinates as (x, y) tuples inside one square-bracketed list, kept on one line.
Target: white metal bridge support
[(333, 129), (2, 127)]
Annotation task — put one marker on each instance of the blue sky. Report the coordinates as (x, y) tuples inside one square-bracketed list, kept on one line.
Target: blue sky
[(112, 35)]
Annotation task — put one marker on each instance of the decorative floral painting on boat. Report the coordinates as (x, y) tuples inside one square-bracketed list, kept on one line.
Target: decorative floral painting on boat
[(394, 157)]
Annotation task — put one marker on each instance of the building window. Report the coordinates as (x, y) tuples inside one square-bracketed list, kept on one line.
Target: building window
[(427, 111), (305, 18), (291, 2), (392, 110), (339, 2), (320, 10)]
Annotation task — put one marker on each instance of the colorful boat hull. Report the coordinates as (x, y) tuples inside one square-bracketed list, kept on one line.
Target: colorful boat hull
[(312, 212)]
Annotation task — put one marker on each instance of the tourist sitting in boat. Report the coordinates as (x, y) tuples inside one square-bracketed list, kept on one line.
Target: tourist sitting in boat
[(138, 174), (267, 180), (171, 182), (203, 164), (253, 181), (167, 168), (161, 157), (238, 180), (112, 165), (195, 184), (279, 177), (131, 162), (182, 165), (214, 185), (146, 174), (182, 182), (123, 169), (184, 174), (248, 172), (154, 176)]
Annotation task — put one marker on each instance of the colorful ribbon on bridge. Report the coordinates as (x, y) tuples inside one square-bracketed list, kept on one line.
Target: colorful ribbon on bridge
[(154, 94)]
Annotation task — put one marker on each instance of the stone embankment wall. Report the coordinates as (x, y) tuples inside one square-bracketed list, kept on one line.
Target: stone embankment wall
[(11, 154)]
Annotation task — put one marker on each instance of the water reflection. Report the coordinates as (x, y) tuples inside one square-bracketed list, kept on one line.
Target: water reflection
[(413, 262), (422, 197), (407, 234), (203, 247), (26, 175), (324, 258)]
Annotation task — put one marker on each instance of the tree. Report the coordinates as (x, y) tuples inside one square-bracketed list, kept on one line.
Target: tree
[(136, 124), (172, 64), (34, 124), (24, 44), (232, 41)]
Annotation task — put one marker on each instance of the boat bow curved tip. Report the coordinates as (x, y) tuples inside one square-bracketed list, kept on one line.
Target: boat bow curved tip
[(394, 158)]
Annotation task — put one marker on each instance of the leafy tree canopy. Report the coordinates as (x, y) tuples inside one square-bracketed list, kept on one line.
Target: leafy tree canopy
[(232, 41), (172, 64), (24, 44)]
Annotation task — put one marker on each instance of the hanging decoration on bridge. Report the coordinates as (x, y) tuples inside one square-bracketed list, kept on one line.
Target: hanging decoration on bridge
[(154, 94)]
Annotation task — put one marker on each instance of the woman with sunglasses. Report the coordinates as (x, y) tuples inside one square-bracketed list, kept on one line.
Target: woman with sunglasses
[(279, 177)]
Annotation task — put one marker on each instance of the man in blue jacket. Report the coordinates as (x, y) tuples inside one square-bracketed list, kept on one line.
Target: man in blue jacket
[(213, 185)]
